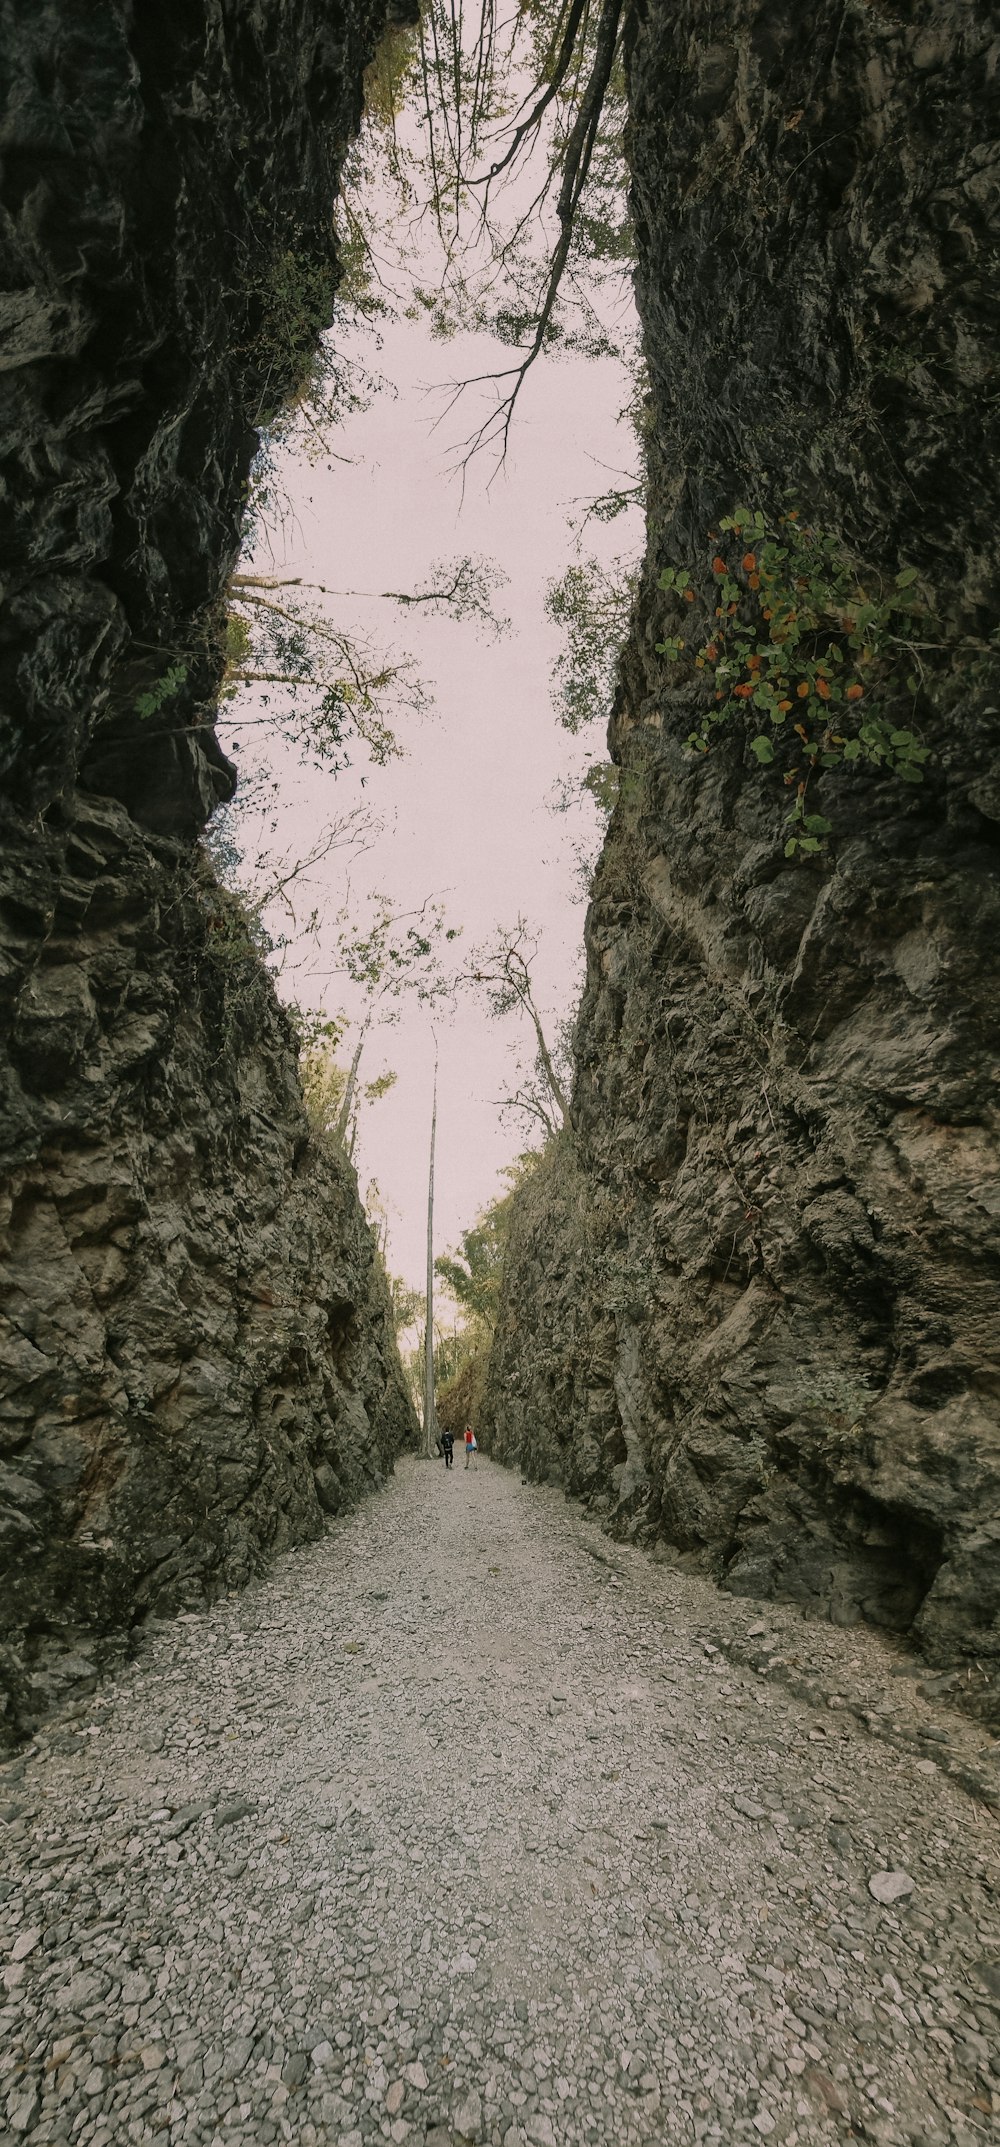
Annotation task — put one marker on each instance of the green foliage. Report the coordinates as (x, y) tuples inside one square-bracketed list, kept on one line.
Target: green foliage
[(373, 1091), (319, 688), (462, 588), (458, 1399), (326, 1082), (453, 1348), (591, 603), (609, 506), (603, 781), (238, 652), (166, 689), (323, 689), (316, 1030), (294, 295), (474, 1274), (811, 646), (395, 954), (407, 1304), (390, 76)]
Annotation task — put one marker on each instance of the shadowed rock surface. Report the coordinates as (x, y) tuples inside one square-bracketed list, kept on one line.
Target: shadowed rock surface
[(198, 1358), (751, 1305)]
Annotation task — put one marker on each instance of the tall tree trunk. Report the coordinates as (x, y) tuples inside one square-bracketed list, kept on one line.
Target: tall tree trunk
[(429, 1416), (344, 1115), (559, 1098)]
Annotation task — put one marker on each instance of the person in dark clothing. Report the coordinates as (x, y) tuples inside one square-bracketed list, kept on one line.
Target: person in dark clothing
[(447, 1442)]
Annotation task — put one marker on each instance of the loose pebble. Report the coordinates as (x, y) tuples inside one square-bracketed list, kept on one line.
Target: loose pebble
[(890, 1886), (429, 1837)]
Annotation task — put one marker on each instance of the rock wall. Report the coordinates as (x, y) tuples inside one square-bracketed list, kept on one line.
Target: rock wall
[(198, 1360), (751, 1302), (166, 190)]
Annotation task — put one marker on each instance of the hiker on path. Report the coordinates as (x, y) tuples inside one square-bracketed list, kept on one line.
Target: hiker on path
[(447, 1446), (471, 1449)]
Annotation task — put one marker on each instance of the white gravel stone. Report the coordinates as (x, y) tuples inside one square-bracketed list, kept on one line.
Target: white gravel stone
[(889, 1886), (459, 1843), (24, 1943)]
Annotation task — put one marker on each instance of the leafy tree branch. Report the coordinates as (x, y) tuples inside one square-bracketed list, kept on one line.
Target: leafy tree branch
[(501, 971)]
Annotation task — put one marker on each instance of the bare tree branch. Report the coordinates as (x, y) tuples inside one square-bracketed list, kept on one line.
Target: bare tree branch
[(503, 971), (576, 159)]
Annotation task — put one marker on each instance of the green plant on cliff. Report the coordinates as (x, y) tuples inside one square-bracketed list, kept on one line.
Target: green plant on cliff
[(807, 643), (473, 1274), (292, 294), (332, 1112), (603, 781), (591, 604), (237, 945), (165, 689)]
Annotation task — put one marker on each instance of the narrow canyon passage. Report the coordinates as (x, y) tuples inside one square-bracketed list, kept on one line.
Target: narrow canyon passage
[(462, 1825)]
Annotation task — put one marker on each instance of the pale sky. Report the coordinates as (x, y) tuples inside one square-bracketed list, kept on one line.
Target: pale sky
[(466, 816)]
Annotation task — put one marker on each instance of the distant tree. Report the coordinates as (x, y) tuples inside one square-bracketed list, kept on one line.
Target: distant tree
[(452, 1347), (458, 1394), (592, 604), (407, 1304), (474, 1276), (317, 685), (474, 1273), (324, 1087), (395, 954), (500, 969)]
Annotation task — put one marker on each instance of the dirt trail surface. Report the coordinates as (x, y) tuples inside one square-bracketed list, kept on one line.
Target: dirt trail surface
[(462, 1826)]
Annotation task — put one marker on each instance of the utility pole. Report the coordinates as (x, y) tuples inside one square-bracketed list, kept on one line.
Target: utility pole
[(429, 1418)]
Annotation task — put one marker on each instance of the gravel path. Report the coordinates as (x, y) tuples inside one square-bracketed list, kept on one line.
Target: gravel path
[(462, 1826)]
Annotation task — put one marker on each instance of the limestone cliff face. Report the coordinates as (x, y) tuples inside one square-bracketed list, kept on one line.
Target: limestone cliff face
[(196, 1358), (168, 177), (751, 1305)]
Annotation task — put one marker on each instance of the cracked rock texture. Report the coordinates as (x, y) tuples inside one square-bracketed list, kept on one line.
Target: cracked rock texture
[(198, 1359), (751, 1299)]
